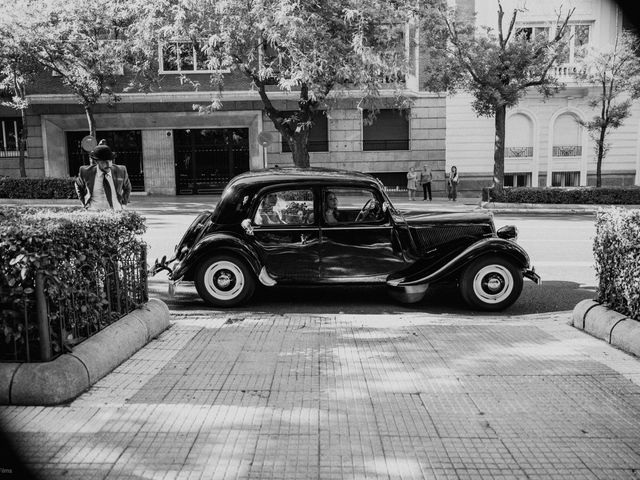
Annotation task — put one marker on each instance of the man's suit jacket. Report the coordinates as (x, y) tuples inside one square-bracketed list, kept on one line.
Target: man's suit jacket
[(87, 176)]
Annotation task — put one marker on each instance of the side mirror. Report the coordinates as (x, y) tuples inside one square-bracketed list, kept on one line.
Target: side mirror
[(246, 226)]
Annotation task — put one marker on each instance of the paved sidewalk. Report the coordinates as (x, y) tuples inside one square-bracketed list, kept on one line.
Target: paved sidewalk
[(411, 396)]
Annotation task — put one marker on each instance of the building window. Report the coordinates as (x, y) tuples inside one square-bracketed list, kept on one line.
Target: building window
[(10, 128), (575, 42), (517, 179), (567, 137), (519, 137), (535, 33), (389, 131), (183, 56), (318, 134), (565, 179)]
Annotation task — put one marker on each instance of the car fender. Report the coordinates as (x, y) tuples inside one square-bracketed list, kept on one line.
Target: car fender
[(424, 271), (214, 244)]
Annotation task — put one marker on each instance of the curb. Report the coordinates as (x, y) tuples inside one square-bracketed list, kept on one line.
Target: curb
[(608, 325), (560, 208), (541, 208), (66, 377)]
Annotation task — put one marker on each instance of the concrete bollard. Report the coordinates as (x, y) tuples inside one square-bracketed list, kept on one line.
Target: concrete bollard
[(626, 336), (580, 311), (600, 320)]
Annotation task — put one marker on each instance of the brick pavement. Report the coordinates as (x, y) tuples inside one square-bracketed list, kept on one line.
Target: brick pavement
[(410, 396)]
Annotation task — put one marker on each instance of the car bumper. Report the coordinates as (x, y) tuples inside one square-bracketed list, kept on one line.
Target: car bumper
[(533, 276)]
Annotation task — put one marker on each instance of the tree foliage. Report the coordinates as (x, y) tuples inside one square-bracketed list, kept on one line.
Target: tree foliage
[(78, 40), (18, 71), (615, 71), (307, 48), (497, 66)]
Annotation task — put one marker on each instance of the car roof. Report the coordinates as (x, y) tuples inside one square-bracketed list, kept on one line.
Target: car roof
[(279, 175)]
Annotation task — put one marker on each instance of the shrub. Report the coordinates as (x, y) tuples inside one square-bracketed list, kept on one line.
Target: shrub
[(68, 247), (617, 253), (565, 195), (37, 188)]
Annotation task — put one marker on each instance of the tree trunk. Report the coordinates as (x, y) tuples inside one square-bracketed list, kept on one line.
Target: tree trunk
[(300, 149), (22, 143), (603, 134), (498, 152), (90, 120)]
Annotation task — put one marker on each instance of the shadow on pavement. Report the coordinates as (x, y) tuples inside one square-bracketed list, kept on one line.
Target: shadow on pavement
[(552, 296)]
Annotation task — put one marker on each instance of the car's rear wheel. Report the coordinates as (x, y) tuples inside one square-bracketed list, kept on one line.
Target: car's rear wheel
[(224, 281), (491, 283)]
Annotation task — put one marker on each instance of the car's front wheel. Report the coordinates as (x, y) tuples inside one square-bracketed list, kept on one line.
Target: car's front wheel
[(224, 281), (491, 283)]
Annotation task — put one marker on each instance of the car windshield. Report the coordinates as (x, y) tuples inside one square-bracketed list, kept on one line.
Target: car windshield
[(385, 197)]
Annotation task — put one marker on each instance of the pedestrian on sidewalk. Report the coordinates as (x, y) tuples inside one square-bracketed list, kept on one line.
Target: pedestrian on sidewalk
[(425, 180), (412, 183), (453, 183), (103, 185)]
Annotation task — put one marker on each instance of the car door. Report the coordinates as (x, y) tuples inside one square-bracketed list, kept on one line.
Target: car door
[(287, 235), (356, 246)]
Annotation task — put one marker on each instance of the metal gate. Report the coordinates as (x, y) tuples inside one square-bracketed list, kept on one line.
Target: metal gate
[(206, 159), (126, 144)]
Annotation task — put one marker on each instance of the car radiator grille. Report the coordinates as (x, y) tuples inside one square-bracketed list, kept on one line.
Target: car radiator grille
[(428, 238)]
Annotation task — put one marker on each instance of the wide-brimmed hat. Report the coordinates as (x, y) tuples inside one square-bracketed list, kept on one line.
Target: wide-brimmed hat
[(102, 152)]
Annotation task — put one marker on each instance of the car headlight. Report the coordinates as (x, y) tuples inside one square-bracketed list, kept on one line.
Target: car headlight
[(508, 232)]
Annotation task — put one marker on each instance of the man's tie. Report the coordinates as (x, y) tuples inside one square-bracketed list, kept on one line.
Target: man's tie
[(107, 187)]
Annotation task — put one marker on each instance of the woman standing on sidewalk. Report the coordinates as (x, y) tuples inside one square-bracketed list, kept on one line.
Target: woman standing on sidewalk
[(453, 182), (412, 183)]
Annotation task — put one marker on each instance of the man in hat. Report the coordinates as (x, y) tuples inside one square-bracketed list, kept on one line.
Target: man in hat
[(103, 185)]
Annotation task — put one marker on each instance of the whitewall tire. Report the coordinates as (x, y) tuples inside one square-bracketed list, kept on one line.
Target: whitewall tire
[(224, 281), (491, 283)]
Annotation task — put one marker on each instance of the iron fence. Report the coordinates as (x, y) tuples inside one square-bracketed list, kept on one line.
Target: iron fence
[(57, 314)]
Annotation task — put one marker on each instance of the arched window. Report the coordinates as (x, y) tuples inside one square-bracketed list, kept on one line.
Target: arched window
[(519, 137), (518, 149), (567, 137), (567, 147)]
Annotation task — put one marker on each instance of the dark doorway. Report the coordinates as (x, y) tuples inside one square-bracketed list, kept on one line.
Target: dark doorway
[(206, 159), (126, 144)]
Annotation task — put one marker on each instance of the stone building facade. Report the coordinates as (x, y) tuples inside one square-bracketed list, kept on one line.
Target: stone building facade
[(169, 148)]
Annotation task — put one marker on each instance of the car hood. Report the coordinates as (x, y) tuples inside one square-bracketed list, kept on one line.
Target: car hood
[(422, 218)]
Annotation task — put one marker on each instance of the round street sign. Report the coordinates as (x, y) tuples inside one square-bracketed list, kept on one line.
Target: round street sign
[(88, 143), (264, 138)]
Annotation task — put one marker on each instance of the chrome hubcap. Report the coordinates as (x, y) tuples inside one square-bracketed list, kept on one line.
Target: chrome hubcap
[(493, 284), (224, 280)]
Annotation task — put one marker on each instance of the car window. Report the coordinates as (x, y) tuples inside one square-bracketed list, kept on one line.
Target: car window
[(351, 205), (285, 207)]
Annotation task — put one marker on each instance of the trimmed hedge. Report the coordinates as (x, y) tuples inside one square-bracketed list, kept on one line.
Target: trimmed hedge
[(565, 195), (54, 239), (617, 253), (37, 188), (65, 244)]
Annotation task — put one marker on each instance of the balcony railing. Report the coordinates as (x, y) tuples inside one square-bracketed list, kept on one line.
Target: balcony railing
[(518, 152), (10, 153), (567, 150)]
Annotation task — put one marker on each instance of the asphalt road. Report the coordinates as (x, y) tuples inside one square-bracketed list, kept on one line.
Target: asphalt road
[(560, 247)]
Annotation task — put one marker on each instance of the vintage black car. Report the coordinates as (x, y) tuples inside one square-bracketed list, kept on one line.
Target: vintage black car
[(317, 226)]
